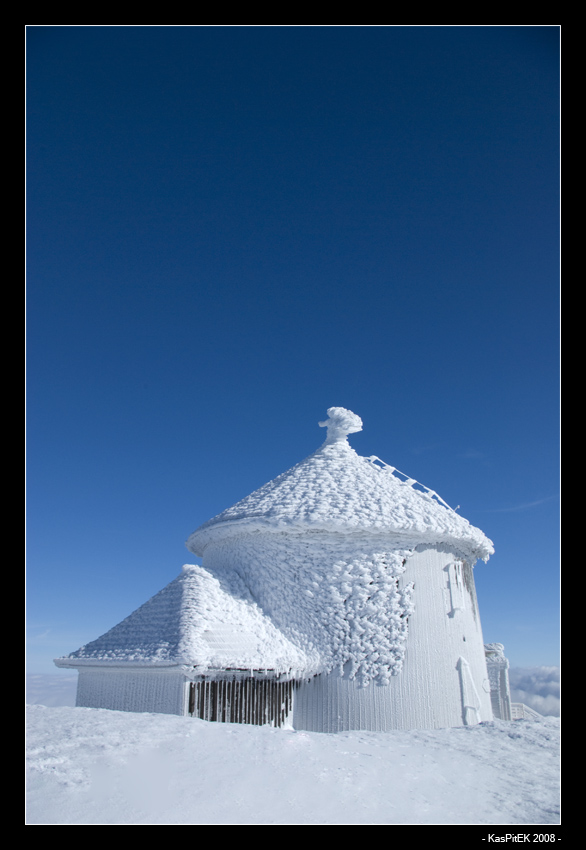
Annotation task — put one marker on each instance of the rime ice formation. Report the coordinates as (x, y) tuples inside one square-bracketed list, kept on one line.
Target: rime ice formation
[(498, 673), (342, 604), (340, 423)]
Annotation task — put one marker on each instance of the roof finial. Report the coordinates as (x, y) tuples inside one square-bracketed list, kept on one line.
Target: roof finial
[(341, 423)]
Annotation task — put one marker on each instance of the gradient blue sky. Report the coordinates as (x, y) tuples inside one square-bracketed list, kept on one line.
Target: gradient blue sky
[(231, 229)]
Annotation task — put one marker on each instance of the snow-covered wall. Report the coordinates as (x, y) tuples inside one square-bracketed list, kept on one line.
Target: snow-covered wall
[(443, 681), (162, 690), (395, 633), (336, 597)]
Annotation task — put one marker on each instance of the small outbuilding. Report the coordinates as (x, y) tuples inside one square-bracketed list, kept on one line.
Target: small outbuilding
[(338, 596)]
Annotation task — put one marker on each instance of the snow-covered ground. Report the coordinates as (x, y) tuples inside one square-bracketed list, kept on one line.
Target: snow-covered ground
[(92, 766)]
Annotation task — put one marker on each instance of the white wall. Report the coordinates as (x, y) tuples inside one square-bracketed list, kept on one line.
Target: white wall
[(443, 682), (160, 690)]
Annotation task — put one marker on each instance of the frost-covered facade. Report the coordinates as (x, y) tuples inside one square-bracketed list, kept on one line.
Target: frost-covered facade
[(498, 675), (338, 596)]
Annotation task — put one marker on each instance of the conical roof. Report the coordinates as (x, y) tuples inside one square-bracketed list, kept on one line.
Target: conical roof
[(336, 490), (197, 620)]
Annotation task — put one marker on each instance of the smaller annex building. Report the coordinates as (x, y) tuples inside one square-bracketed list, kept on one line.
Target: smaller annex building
[(338, 596)]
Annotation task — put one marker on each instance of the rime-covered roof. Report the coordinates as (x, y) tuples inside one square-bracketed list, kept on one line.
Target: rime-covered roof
[(336, 490), (197, 620)]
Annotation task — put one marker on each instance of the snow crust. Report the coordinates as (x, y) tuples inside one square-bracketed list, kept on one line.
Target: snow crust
[(93, 766)]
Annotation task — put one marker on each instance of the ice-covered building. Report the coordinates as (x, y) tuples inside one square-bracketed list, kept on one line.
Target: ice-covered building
[(498, 675), (338, 596)]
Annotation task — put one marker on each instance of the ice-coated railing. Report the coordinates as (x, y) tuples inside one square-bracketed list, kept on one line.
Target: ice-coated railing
[(410, 482), (520, 711)]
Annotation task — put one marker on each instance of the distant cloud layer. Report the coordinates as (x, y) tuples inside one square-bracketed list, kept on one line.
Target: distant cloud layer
[(537, 687), (51, 690)]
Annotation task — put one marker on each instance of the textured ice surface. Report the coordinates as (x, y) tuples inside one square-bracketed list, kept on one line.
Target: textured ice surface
[(199, 620), (335, 489), (340, 602)]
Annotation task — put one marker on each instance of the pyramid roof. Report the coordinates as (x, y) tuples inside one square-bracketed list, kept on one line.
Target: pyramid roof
[(196, 620)]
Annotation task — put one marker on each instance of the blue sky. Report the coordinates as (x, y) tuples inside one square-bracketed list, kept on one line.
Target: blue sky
[(231, 229)]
